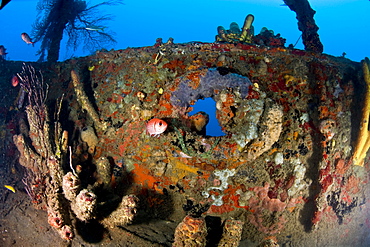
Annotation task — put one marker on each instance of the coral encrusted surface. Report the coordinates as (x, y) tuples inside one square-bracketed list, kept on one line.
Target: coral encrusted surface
[(282, 170)]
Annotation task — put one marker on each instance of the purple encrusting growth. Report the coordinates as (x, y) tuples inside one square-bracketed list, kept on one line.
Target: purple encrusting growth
[(212, 81)]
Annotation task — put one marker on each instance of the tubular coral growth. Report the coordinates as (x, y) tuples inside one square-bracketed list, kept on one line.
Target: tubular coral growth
[(363, 140), (83, 100), (247, 31), (232, 233), (88, 135), (124, 214), (85, 205), (66, 232), (71, 186)]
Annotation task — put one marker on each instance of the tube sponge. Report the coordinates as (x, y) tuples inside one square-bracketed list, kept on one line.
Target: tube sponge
[(85, 205), (191, 232), (125, 212), (88, 135), (104, 171), (232, 233), (247, 30), (71, 186)]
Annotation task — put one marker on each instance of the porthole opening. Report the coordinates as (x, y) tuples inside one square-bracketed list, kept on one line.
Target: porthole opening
[(208, 105)]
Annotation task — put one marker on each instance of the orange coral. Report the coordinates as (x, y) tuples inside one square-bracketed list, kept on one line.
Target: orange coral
[(195, 79), (175, 64)]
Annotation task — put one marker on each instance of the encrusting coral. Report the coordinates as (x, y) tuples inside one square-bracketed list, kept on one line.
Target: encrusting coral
[(271, 128), (266, 209), (327, 128), (363, 139), (189, 151), (306, 24)]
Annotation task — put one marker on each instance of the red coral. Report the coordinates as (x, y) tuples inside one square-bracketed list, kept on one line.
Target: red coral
[(252, 94), (195, 78), (262, 204), (326, 182)]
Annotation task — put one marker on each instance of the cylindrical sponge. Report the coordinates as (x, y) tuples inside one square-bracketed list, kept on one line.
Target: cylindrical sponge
[(191, 232), (85, 205)]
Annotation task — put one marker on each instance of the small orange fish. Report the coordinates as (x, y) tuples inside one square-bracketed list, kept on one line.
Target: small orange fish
[(15, 80), (156, 126), (26, 38)]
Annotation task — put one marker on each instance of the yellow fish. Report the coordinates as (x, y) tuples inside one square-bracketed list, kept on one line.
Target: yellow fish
[(91, 68), (11, 188)]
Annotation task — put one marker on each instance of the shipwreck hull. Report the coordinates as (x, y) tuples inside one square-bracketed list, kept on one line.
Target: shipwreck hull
[(283, 169)]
